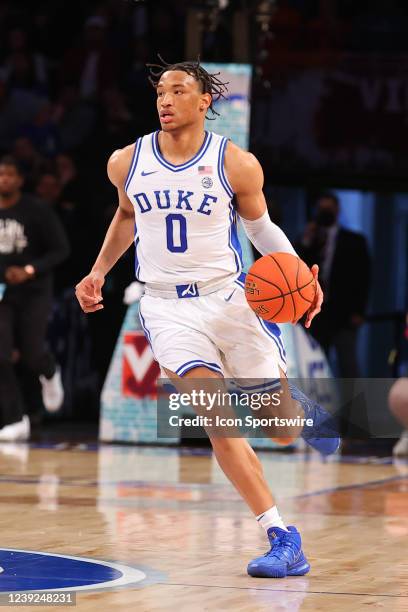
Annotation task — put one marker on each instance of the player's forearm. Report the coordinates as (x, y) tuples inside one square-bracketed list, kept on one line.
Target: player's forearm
[(266, 236), (118, 239)]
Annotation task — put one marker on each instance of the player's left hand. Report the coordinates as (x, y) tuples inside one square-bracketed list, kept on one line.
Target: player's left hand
[(316, 307)]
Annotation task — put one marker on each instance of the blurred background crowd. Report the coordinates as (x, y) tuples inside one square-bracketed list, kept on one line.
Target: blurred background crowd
[(73, 87)]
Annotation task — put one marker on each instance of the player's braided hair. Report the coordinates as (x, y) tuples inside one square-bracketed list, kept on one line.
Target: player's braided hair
[(210, 83)]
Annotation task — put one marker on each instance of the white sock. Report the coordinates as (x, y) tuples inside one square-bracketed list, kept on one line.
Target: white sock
[(271, 518)]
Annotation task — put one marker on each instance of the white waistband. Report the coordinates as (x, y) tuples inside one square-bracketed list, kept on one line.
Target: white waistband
[(188, 290)]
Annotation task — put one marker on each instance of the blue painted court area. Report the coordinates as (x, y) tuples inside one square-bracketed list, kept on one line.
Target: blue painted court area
[(29, 570)]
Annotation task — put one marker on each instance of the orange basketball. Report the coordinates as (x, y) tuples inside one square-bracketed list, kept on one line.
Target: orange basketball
[(279, 287)]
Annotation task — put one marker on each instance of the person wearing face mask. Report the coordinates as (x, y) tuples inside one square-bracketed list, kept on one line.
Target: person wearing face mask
[(344, 262)]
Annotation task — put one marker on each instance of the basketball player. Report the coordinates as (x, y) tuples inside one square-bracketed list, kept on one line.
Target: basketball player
[(175, 190)]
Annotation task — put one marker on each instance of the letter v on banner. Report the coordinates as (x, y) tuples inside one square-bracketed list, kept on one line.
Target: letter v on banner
[(139, 369)]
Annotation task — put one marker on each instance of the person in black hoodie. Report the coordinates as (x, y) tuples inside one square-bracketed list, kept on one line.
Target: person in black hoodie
[(344, 262), (32, 244)]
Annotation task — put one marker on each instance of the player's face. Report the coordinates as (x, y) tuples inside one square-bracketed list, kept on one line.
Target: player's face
[(10, 180), (179, 100)]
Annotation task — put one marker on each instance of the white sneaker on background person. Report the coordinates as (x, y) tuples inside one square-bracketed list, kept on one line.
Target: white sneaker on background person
[(401, 447), (52, 391), (16, 431), (15, 452)]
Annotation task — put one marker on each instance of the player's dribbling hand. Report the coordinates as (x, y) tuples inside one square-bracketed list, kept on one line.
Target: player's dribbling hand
[(89, 292), (316, 307)]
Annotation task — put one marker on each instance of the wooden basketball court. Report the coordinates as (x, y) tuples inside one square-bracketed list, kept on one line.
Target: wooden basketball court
[(173, 515)]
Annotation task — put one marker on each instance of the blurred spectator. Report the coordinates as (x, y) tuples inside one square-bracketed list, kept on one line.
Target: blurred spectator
[(67, 174), (32, 243), (398, 400), (91, 64), (136, 81), (68, 332), (20, 71), (17, 106), (75, 118), (72, 208), (49, 189), (22, 64), (42, 130), (345, 278), (115, 121), (30, 161)]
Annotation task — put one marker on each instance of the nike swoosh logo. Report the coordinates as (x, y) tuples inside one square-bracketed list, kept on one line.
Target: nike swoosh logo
[(147, 173), (228, 299)]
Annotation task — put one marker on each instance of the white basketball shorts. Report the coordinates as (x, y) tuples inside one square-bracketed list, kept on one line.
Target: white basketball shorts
[(218, 331)]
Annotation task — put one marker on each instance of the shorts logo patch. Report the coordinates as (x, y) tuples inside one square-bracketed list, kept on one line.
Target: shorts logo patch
[(187, 291)]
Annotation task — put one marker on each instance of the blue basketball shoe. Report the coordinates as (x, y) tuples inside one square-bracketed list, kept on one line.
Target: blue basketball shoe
[(323, 435), (285, 558)]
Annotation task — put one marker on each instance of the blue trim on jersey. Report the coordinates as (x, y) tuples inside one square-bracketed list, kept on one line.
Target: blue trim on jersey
[(188, 164), (133, 163), (241, 279), (220, 168), (236, 245), (146, 331), (275, 330), (233, 240), (275, 337), (195, 363), (272, 329), (221, 171), (137, 264)]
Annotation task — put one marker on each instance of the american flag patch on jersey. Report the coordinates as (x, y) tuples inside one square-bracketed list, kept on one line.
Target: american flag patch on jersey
[(205, 169)]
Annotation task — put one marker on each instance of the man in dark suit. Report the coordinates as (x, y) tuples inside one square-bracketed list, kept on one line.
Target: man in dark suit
[(344, 274)]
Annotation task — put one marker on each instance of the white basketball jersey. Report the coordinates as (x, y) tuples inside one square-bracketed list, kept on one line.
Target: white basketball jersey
[(185, 221)]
